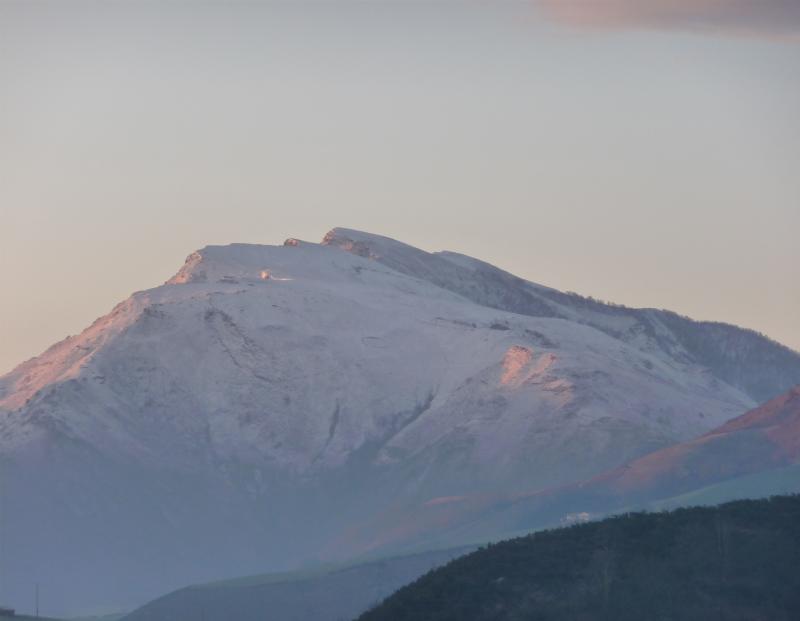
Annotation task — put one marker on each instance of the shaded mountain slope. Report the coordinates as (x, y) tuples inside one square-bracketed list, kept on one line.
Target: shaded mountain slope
[(773, 482), (334, 594), (764, 438), (749, 452)]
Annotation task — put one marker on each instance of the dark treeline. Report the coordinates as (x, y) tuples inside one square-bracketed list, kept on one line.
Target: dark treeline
[(738, 561)]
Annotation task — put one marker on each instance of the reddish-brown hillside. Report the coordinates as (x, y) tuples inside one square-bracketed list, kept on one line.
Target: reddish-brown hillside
[(763, 438)]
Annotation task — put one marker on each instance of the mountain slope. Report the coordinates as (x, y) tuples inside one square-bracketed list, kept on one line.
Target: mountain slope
[(201, 428), (735, 562), (750, 455), (772, 482), (764, 438)]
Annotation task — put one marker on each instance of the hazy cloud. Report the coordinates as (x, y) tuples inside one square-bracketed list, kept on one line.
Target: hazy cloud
[(766, 18)]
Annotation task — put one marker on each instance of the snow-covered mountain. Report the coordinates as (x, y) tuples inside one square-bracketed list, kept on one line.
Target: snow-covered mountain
[(241, 416)]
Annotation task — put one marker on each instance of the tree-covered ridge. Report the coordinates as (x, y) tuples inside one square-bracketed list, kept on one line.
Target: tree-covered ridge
[(736, 562)]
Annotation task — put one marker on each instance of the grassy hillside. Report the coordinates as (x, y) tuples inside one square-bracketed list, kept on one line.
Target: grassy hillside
[(736, 562)]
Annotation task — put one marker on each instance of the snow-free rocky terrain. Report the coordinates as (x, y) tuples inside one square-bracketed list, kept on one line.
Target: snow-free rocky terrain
[(241, 417)]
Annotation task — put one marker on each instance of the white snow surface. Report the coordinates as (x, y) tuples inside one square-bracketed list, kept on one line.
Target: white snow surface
[(337, 351)]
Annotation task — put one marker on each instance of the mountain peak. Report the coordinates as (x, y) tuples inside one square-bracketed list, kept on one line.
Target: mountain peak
[(400, 257), (368, 245), (232, 262), (340, 233)]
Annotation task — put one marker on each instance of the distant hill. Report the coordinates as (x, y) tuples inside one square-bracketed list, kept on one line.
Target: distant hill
[(332, 594), (736, 562)]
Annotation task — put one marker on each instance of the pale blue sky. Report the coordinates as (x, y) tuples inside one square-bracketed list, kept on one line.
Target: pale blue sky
[(641, 162)]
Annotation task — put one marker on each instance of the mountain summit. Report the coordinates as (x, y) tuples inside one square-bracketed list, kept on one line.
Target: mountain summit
[(276, 394)]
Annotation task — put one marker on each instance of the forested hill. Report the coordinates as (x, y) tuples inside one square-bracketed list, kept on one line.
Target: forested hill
[(735, 562)]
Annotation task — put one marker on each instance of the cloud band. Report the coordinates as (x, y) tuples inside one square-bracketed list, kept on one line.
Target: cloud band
[(766, 18)]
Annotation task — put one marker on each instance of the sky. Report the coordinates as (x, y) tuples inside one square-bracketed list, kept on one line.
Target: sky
[(643, 155)]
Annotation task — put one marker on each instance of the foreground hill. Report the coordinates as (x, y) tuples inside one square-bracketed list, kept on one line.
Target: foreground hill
[(735, 562), (202, 428), (331, 594)]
